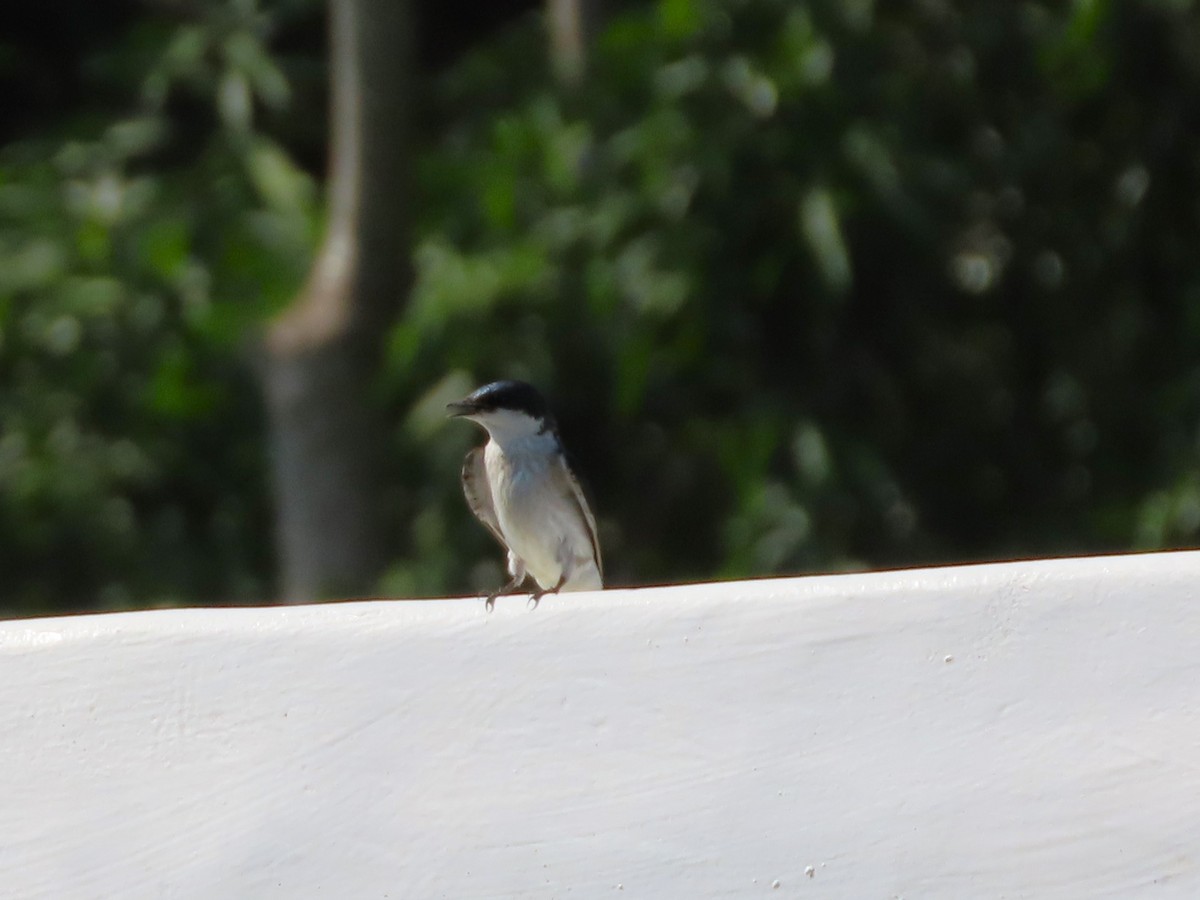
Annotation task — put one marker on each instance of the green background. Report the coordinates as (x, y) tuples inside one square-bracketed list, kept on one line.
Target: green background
[(812, 286)]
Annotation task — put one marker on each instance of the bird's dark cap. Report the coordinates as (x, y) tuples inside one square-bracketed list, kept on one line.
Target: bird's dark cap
[(511, 395)]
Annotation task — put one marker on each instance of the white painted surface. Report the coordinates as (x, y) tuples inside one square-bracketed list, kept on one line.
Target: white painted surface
[(1022, 730)]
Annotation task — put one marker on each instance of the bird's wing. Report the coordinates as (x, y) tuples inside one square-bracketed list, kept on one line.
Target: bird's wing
[(479, 494), (575, 492)]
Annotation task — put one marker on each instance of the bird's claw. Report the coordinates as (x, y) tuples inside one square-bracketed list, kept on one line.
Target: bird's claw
[(537, 595), (490, 602)]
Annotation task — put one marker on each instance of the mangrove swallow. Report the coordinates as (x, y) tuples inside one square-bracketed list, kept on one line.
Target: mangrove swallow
[(520, 485)]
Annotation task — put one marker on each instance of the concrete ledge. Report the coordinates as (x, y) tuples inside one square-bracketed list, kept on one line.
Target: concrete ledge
[(1017, 730)]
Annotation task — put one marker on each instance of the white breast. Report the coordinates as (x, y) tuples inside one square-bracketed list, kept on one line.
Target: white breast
[(540, 522)]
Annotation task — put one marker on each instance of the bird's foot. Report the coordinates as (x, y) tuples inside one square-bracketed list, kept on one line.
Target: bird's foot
[(490, 602), (537, 595)]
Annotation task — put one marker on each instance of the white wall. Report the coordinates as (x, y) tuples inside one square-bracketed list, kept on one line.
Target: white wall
[(1021, 730)]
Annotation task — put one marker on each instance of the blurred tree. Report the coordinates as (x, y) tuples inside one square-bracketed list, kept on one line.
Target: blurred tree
[(571, 26), (144, 228), (327, 433), (814, 285), (829, 284)]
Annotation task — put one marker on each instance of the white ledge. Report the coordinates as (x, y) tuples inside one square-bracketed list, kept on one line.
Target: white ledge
[(1020, 730)]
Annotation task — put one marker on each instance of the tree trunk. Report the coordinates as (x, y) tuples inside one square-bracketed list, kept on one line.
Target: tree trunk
[(572, 25), (321, 354)]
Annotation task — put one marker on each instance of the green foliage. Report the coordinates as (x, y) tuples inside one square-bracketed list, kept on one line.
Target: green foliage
[(814, 285), (137, 249), (829, 284)]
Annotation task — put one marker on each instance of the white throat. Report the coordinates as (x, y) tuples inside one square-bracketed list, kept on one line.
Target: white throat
[(515, 431)]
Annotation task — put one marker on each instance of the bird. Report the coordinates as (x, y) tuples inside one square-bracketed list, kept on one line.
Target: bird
[(521, 486)]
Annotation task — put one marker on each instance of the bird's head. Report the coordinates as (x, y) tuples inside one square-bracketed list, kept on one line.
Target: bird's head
[(507, 409)]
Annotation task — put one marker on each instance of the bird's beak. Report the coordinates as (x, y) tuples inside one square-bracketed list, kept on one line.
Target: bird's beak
[(459, 408)]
